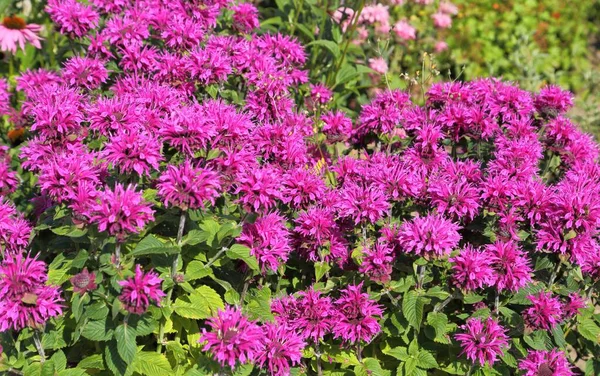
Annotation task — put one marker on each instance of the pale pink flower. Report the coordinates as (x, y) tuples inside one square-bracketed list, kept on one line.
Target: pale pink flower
[(14, 31)]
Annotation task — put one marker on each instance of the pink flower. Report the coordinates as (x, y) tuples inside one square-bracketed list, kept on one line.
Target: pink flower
[(318, 237), (72, 17), (140, 291), (363, 203), (405, 31), (377, 263), (234, 339), (259, 189), (121, 211), (431, 236), (447, 7), (337, 126), (315, 315), (553, 100), (301, 188), (14, 31), (319, 95), (545, 313), (25, 299), (85, 72), (268, 240), (442, 20), (133, 150), (472, 269), (575, 303), (542, 362), (188, 187), (83, 282), (357, 316), (379, 65), (483, 341), (440, 46), (245, 17), (511, 264), (281, 346)]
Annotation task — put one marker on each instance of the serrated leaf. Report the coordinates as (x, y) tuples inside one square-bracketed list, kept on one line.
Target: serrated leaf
[(329, 45), (399, 353), (98, 330), (142, 325), (426, 360), (126, 347), (321, 268), (152, 364), (113, 360), (92, 362), (370, 367), (439, 322), (412, 309), (150, 245), (241, 252), (203, 304), (589, 330)]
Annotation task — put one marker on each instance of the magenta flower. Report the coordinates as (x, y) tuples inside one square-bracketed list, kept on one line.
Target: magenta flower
[(551, 363), (140, 291), (404, 30), (25, 299), (430, 236), (14, 31), (301, 188), (85, 72), (442, 20), (377, 263), (56, 111), (268, 240), (318, 237), (357, 316), (472, 269), (483, 341), (337, 126), (259, 189), (133, 151), (72, 17), (245, 17), (234, 339), (363, 203), (188, 187), (513, 269), (545, 313), (281, 347), (83, 282), (553, 100), (121, 211), (315, 317), (575, 303)]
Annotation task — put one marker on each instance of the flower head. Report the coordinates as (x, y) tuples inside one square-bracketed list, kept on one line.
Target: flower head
[(574, 303), (268, 240), (472, 269), (188, 187), (357, 316), (281, 346), (513, 269), (483, 340), (377, 263), (545, 313), (14, 31), (121, 211), (234, 339), (140, 291), (72, 17), (131, 151), (432, 236), (543, 362), (25, 299), (83, 282)]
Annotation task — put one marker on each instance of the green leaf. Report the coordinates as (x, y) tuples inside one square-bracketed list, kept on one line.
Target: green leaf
[(72, 372), (399, 353), (113, 360), (559, 337), (426, 360), (321, 268), (589, 330), (241, 252), (98, 330), (194, 237), (196, 270), (412, 309), (472, 298), (150, 245), (60, 360), (202, 304), (211, 228), (142, 325), (439, 322), (92, 362), (370, 367), (329, 45), (259, 305), (152, 364), (345, 74), (125, 337)]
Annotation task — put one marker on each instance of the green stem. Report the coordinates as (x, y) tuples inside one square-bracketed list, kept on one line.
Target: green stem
[(318, 354), (216, 257), (118, 254), (38, 345)]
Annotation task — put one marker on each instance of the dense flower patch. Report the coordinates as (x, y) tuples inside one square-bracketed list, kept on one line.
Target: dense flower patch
[(187, 201)]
